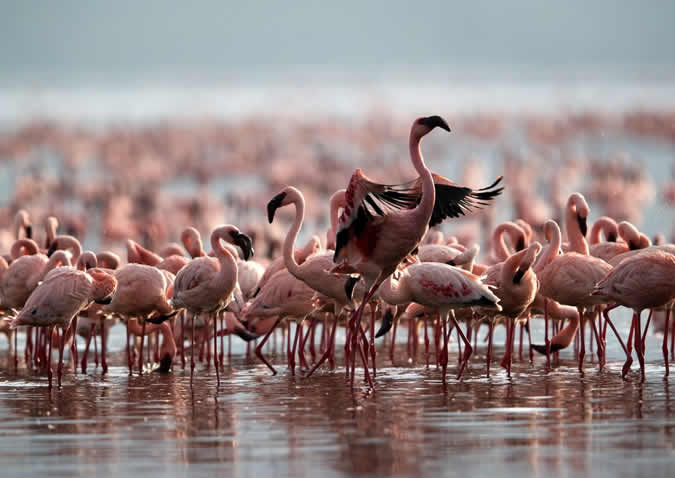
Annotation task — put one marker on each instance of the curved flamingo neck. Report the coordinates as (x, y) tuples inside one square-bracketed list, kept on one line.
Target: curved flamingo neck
[(51, 226), (426, 205), (511, 265), (337, 200), (576, 238), (515, 233), (59, 258), (289, 242), (228, 263), (393, 292), (605, 225), (70, 242), (3, 266), (23, 247), (551, 251)]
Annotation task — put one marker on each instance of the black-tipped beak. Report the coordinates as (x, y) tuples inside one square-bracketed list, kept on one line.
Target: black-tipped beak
[(542, 348), (165, 364), (158, 319), (273, 205), (350, 284), (52, 249), (245, 334), (387, 322), (518, 276), (611, 237), (436, 122), (243, 241), (29, 231), (105, 300), (451, 262), (582, 225)]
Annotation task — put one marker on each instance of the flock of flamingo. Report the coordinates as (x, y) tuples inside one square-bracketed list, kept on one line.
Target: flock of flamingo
[(384, 261)]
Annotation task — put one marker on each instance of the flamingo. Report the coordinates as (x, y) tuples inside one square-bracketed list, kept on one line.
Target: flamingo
[(607, 250), (206, 284), (443, 288), (569, 279), (167, 351), (61, 297), (516, 286), (381, 225), (644, 281), (315, 270)]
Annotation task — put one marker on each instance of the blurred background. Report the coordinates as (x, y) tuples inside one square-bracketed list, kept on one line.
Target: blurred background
[(135, 119)]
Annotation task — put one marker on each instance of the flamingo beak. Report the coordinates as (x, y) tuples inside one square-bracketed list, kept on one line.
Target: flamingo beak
[(245, 334), (582, 225), (245, 243), (105, 300), (350, 284), (521, 244), (274, 204), (52, 249), (29, 231), (387, 322), (436, 122)]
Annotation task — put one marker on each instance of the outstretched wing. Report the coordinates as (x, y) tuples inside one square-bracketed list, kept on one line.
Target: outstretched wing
[(366, 199)]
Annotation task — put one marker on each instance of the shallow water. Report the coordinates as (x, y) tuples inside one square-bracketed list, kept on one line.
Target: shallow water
[(557, 423)]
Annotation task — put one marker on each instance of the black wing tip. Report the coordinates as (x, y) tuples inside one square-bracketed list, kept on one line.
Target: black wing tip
[(387, 322)]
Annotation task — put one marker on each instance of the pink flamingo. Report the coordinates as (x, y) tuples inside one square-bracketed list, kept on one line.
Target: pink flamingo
[(607, 250), (381, 225), (516, 286), (337, 201), (282, 297), (206, 284), (58, 299), (569, 279), (141, 291), (443, 288), (644, 281), (315, 270)]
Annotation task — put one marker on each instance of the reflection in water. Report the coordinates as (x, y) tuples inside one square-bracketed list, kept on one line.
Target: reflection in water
[(557, 423)]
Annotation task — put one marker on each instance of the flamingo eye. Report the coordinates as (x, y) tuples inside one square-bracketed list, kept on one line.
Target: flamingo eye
[(34, 311)]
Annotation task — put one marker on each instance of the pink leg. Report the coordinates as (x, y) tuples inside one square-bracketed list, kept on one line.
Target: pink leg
[(140, 355), (638, 346), (520, 343), (258, 349), (104, 363), (59, 367), (95, 351), (444, 354), (182, 338), (598, 340), (86, 348), (129, 361), (629, 347), (489, 348), (222, 342), (467, 347), (192, 350), (426, 341), (664, 347), (582, 335), (215, 348), (298, 333), (327, 353), (27, 351), (437, 340), (373, 353), (73, 347), (644, 334), (529, 343), (49, 358), (546, 341)]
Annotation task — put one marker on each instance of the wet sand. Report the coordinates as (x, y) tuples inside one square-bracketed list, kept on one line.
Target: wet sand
[(553, 424)]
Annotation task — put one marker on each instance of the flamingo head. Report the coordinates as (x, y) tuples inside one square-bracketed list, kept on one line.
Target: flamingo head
[(424, 125), (275, 203), (104, 286), (244, 242)]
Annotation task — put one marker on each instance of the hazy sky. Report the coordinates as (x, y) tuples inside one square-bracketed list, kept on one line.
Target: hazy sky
[(80, 39)]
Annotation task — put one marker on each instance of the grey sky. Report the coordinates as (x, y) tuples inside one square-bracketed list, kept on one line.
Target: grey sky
[(206, 38)]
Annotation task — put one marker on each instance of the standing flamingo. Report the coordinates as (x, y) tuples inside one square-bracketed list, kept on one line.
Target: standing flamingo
[(644, 281), (315, 271), (206, 284), (443, 288), (381, 224), (58, 299)]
